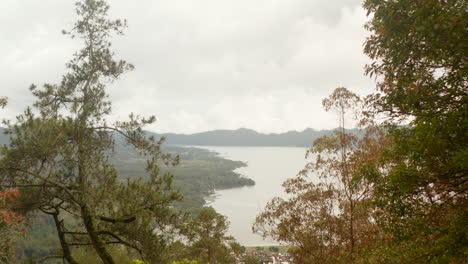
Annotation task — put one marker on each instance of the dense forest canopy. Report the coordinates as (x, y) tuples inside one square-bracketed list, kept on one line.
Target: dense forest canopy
[(399, 194)]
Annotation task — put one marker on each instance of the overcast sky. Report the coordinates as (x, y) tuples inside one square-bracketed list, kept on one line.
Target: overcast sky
[(201, 64)]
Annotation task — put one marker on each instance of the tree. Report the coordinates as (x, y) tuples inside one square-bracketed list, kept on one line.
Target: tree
[(327, 219), (419, 51), (10, 221), (185, 261), (273, 249), (3, 101), (10, 224), (251, 260), (208, 240), (236, 248), (60, 153)]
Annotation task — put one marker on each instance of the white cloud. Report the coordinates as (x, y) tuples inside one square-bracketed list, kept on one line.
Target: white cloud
[(201, 65)]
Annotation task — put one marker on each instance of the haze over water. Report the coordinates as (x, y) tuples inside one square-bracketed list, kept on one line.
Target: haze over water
[(269, 167)]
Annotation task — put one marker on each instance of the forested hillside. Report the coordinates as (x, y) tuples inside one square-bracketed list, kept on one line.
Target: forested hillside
[(199, 173)]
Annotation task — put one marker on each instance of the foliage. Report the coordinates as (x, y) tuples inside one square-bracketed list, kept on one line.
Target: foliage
[(10, 221), (190, 178), (138, 262), (208, 240), (40, 239), (88, 255), (60, 153), (199, 173), (10, 224), (419, 50), (397, 195), (3, 102), (273, 249), (251, 260), (327, 217), (185, 261)]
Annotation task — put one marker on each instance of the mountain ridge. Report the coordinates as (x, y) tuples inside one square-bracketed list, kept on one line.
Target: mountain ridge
[(247, 137), (242, 137)]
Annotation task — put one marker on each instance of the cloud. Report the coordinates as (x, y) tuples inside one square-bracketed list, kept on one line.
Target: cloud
[(200, 65)]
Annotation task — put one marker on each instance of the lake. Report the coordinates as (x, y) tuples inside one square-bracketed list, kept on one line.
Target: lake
[(269, 167)]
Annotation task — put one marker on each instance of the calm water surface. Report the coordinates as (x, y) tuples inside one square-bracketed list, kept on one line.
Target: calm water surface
[(269, 167)]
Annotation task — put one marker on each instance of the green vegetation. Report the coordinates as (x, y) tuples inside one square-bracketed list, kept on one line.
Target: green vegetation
[(197, 168), (10, 224), (3, 102), (395, 192), (251, 260), (199, 173), (329, 221), (208, 242), (59, 157), (420, 52), (39, 240), (399, 193), (280, 249), (185, 261)]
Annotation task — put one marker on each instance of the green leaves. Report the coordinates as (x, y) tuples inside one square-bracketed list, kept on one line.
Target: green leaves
[(328, 216), (3, 102), (185, 261), (64, 151), (419, 50), (421, 46), (208, 240)]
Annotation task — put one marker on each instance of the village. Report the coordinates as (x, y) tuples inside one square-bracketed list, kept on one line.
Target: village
[(263, 255)]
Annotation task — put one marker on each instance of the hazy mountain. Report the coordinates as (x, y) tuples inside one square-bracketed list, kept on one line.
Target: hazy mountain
[(246, 137), (239, 137)]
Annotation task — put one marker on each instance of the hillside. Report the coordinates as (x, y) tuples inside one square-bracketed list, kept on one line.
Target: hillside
[(247, 137), (199, 173)]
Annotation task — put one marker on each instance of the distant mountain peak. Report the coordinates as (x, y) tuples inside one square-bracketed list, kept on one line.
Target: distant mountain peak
[(246, 130), (308, 129)]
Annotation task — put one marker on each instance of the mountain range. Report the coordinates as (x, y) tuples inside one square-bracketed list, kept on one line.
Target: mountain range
[(239, 137), (247, 137)]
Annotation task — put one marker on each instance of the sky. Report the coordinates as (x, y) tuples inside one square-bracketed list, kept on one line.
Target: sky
[(201, 64)]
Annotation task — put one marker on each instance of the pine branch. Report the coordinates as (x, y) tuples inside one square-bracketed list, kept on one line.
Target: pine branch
[(117, 220)]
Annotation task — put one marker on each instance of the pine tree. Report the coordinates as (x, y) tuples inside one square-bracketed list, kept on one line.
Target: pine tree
[(61, 147)]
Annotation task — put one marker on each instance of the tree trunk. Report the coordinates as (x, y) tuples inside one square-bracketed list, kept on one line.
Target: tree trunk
[(351, 225), (97, 243), (65, 248)]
